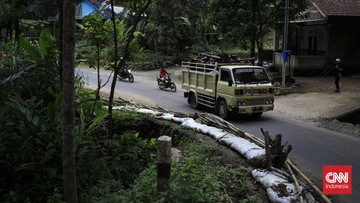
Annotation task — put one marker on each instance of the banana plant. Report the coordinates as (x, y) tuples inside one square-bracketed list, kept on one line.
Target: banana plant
[(46, 52), (42, 71), (43, 55)]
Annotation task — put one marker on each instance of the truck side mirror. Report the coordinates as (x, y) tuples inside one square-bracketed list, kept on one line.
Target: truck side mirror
[(230, 82)]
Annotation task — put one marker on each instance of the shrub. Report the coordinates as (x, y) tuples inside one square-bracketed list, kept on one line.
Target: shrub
[(195, 178), (31, 149)]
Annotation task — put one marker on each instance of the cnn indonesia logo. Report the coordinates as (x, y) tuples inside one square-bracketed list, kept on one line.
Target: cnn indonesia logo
[(337, 180)]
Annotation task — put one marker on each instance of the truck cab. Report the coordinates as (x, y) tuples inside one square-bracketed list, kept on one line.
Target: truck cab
[(228, 89)]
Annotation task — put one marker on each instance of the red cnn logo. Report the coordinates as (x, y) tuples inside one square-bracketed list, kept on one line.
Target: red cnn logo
[(337, 180)]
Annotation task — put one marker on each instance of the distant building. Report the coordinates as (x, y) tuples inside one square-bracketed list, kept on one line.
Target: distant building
[(87, 7), (331, 30)]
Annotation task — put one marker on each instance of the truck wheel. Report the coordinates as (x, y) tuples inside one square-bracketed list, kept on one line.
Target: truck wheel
[(222, 109), (193, 102)]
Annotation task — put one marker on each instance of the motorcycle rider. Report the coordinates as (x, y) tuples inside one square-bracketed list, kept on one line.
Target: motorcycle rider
[(122, 67), (164, 80), (163, 74)]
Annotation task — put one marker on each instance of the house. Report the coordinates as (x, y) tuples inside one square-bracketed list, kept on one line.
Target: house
[(87, 7), (331, 30)]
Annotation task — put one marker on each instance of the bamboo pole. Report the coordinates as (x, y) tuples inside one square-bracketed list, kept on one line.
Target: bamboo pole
[(301, 198), (317, 190)]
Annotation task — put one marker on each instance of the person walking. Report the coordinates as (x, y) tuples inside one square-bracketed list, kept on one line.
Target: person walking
[(338, 71)]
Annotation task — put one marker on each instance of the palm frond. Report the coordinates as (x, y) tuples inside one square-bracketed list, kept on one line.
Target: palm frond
[(14, 77)]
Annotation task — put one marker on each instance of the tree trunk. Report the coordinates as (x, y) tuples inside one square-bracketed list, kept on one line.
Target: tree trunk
[(116, 71), (17, 29), (128, 38), (60, 38), (68, 106), (253, 37), (97, 96), (276, 153), (260, 47), (9, 31)]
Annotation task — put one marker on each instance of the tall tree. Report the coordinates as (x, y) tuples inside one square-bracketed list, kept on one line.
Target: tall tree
[(68, 95), (169, 26), (137, 9), (247, 21), (96, 35), (229, 19), (198, 14)]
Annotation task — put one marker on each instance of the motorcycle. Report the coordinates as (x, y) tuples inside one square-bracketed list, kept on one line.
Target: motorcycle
[(125, 74), (166, 82)]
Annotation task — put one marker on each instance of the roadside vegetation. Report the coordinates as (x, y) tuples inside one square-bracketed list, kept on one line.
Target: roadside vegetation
[(48, 120), (120, 169)]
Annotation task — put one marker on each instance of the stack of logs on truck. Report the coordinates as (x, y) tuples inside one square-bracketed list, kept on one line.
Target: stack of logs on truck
[(222, 58)]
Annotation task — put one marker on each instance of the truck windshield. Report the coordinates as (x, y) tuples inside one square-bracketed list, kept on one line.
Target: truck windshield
[(250, 75)]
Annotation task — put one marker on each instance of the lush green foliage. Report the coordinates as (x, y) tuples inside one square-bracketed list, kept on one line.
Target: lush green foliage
[(31, 149), (239, 21), (98, 43), (238, 24), (195, 178), (107, 165), (31, 153), (97, 37), (117, 168), (30, 116), (168, 29), (30, 138)]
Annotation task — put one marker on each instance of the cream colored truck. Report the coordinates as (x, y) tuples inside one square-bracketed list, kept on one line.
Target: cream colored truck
[(228, 89)]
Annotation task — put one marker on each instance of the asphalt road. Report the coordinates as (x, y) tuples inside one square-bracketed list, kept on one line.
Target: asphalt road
[(313, 147)]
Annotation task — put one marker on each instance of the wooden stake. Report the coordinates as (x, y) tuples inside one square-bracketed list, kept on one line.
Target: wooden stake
[(267, 149), (163, 163)]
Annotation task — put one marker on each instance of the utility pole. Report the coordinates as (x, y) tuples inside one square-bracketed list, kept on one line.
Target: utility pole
[(285, 51)]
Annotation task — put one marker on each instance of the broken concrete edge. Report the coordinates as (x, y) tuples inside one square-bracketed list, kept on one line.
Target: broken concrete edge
[(347, 113)]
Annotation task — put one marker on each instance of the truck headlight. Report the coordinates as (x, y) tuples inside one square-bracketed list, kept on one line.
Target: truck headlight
[(241, 103), (269, 101)]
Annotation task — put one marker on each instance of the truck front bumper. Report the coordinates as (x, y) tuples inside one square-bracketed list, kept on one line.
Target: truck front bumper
[(253, 109)]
